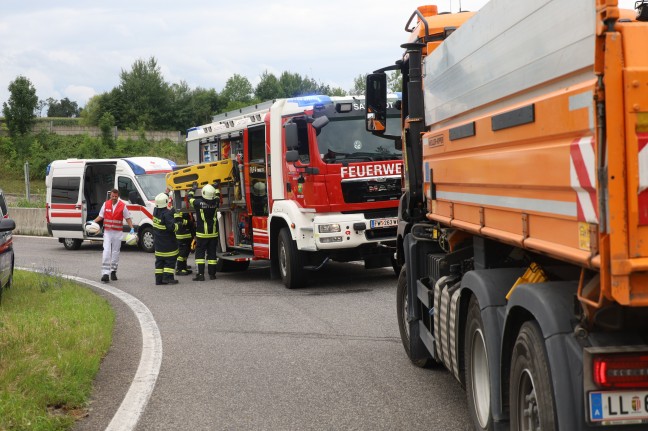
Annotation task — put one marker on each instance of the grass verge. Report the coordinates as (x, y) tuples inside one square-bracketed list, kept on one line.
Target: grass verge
[(53, 335)]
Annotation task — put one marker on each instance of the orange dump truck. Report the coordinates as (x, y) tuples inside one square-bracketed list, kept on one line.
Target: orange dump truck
[(523, 229)]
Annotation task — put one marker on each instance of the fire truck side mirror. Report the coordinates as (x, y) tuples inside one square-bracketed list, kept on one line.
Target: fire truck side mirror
[(376, 99), (292, 141), (319, 123)]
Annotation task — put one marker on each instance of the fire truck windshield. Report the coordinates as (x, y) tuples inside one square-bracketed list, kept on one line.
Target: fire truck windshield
[(345, 139)]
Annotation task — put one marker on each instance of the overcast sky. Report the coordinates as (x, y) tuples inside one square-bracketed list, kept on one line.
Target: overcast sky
[(77, 48)]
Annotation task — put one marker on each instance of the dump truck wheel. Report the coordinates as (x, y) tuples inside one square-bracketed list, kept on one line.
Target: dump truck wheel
[(530, 394), (478, 385), (408, 337)]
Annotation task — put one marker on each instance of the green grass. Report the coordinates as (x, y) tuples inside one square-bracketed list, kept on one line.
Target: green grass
[(16, 185), (53, 335)]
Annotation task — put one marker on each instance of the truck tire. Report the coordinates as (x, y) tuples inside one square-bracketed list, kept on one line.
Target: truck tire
[(72, 243), (146, 239), (478, 385), (407, 337), (290, 262), (530, 394)]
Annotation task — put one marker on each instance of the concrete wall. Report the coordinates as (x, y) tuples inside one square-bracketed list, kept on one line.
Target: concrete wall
[(153, 135), (29, 221)]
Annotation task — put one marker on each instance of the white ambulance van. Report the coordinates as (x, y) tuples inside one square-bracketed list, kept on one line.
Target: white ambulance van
[(77, 188)]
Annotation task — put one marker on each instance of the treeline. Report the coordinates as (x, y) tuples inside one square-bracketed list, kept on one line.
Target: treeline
[(144, 100)]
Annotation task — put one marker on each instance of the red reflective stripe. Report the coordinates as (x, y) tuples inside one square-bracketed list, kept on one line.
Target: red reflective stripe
[(642, 142), (581, 152), (65, 214), (63, 206), (143, 210)]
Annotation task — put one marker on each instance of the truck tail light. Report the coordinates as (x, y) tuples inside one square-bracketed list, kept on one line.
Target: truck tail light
[(621, 371)]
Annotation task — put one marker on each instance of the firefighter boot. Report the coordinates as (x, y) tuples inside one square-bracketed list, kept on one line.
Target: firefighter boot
[(168, 279), (182, 268), (199, 277), (159, 280), (212, 276), (113, 275)]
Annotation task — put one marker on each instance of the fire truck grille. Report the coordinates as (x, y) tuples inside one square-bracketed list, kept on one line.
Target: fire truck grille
[(371, 190)]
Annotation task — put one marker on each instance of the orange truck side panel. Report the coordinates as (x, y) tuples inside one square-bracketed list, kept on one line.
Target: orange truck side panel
[(515, 184)]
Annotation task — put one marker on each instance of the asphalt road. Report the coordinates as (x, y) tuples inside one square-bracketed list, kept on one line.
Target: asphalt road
[(244, 353)]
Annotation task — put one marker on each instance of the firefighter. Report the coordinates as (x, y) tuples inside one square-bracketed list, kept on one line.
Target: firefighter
[(165, 226), (206, 229), (184, 236)]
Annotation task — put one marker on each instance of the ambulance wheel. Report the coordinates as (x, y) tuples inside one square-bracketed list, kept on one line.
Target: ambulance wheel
[(478, 385), (72, 243), (146, 239), (530, 394), (290, 263), (408, 337)]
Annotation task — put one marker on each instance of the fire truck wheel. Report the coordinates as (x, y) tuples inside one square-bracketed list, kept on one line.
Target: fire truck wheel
[(396, 265), (72, 243), (478, 386), (290, 261), (146, 239), (408, 337), (530, 392)]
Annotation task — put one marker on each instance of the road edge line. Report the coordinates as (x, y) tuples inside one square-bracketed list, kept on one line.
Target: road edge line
[(141, 388)]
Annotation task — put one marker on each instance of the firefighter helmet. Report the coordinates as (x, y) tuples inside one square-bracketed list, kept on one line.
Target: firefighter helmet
[(92, 228), (131, 239), (209, 192), (161, 200)]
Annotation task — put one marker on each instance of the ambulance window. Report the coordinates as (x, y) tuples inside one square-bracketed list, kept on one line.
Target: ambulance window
[(65, 190), (125, 186)]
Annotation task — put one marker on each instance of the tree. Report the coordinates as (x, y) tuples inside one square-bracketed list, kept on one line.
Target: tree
[(143, 96), (40, 106), (63, 108), (19, 110), (359, 85), (237, 89), (268, 88), (107, 124), (395, 81)]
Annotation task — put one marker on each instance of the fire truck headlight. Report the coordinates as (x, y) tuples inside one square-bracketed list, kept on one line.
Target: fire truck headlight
[(329, 228), (330, 239)]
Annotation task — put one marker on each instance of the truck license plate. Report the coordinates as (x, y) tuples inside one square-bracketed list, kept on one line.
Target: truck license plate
[(383, 222), (616, 407)]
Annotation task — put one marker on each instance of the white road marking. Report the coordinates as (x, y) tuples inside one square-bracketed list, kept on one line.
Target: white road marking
[(139, 393)]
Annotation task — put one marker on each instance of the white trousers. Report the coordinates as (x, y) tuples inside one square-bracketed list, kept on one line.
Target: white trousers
[(111, 247)]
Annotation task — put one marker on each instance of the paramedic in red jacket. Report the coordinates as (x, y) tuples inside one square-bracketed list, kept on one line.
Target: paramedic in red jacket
[(113, 213)]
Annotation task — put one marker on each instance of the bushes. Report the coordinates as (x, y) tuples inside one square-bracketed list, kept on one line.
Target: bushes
[(43, 148)]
